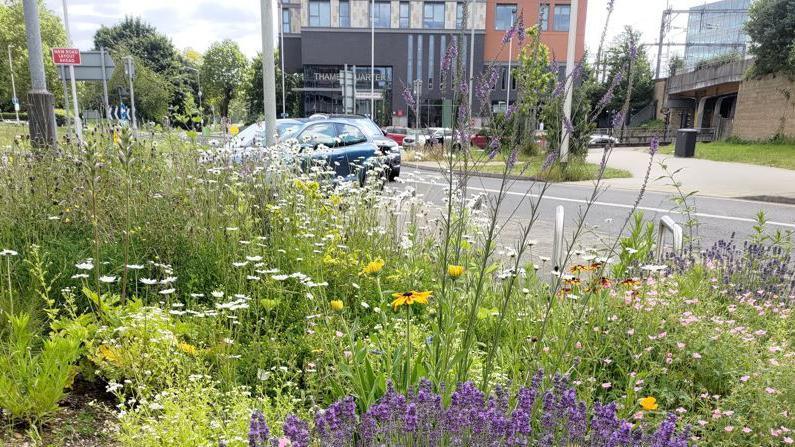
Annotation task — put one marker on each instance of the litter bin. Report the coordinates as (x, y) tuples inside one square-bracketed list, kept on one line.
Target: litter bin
[(686, 142)]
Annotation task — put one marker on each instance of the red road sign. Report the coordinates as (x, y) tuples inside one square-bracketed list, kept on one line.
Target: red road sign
[(66, 56)]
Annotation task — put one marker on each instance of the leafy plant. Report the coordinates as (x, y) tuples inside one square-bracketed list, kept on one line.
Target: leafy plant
[(35, 370)]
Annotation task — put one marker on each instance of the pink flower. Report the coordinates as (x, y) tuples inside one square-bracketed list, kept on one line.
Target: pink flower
[(747, 430), (787, 440), (607, 385), (744, 378), (728, 428), (769, 390), (696, 355), (284, 442)]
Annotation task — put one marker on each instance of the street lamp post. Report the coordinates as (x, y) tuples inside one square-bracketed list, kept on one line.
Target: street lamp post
[(199, 90), (41, 114), (77, 121), (471, 19), (372, 60), (14, 99), (268, 75), (570, 49), (281, 59), (510, 59)]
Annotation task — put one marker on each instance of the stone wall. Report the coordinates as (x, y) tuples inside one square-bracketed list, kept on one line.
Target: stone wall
[(765, 108)]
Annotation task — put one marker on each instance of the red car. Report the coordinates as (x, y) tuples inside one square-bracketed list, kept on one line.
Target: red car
[(397, 134), (479, 139)]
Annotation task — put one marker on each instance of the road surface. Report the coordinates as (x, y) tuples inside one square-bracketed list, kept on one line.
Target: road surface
[(718, 218)]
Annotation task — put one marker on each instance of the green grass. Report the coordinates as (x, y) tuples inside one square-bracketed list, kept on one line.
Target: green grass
[(576, 170), (779, 155)]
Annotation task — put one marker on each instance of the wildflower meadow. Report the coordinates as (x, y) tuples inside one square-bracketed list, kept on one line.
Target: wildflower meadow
[(156, 292)]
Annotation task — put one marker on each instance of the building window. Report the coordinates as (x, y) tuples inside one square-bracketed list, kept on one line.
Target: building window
[(459, 15), (405, 15), (319, 13), (561, 19), (505, 16), (433, 15), (543, 17), (345, 14), (286, 20), (382, 14)]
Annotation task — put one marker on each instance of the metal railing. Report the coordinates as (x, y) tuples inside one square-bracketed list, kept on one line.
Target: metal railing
[(667, 225)]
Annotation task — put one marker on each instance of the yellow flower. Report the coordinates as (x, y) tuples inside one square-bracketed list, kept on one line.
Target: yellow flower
[(455, 271), (648, 403), (234, 130), (108, 353), (336, 305), (409, 298), (116, 137), (373, 267), (187, 348)]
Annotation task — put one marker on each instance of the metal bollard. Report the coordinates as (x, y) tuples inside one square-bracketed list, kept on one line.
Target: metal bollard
[(558, 245), (668, 224)]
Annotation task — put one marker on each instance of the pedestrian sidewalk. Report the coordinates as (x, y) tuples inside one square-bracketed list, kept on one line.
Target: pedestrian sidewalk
[(709, 178)]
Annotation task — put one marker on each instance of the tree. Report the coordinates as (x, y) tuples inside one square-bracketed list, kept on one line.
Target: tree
[(154, 51), (142, 41), (771, 26), (625, 53), (12, 32), (254, 95), (222, 73), (535, 82)]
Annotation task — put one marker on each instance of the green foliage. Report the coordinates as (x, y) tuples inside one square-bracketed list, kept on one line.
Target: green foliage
[(617, 61), (254, 98), (222, 73), (199, 413), (163, 82), (636, 248), (34, 370), (771, 27), (141, 40), (12, 32)]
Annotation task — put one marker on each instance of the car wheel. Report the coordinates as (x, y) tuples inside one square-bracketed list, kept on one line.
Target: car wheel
[(393, 174)]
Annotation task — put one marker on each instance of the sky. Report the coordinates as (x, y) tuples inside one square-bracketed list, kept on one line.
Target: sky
[(197, 23)]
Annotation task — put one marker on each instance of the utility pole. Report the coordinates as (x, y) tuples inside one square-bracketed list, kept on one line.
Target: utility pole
[(268, 72), (663, 22), (510, 59), (471, 19), (417, 94), (129, 68), (281, 59), (41, 104), (14, 98), (105, 100), (372, 60), (77, 121), (570, 50)]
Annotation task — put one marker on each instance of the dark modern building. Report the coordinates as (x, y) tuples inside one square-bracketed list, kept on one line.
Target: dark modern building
[(323, 38)]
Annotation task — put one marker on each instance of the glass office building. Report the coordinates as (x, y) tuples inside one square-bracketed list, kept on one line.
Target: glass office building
[(715, 31)]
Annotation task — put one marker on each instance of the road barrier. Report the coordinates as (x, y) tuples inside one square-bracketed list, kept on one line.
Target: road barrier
[(668, 225)]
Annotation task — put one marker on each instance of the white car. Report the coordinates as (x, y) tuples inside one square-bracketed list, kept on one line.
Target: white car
[(416, 139), (601, 140)]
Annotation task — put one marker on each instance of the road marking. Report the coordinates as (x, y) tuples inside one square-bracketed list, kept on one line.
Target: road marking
[(615, 205)]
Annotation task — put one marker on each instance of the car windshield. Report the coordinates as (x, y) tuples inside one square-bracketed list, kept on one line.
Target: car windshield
[(369, 127), (249, 134), (285, 129)]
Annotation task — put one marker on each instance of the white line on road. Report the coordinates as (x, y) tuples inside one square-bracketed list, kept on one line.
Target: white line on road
[(615, 205)]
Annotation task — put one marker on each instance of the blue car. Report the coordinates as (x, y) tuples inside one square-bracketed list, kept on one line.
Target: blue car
[(388, 147), (344, 147)]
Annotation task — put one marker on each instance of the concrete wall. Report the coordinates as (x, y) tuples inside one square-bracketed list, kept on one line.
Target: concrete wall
[(765, 108)]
